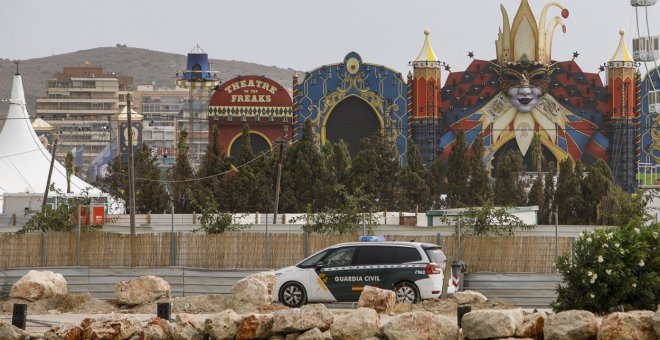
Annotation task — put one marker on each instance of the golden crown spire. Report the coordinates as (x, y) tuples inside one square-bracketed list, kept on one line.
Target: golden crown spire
[(524, 39)]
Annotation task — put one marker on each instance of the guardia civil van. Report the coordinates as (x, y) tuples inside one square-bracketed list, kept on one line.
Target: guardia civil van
[(414, 271)]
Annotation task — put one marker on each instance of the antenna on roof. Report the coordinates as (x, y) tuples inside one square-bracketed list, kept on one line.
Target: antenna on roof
[(17, 62)]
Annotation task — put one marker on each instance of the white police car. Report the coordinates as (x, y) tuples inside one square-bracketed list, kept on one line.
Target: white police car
[(339, 273)]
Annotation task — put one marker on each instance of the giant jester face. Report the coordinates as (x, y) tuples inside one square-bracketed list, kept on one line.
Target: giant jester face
[(524, 82)]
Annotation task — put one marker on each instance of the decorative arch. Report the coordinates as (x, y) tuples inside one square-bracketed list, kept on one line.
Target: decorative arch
[(253, 133)]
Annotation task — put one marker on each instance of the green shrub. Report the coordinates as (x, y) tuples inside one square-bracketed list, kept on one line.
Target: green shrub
[(611, 267)]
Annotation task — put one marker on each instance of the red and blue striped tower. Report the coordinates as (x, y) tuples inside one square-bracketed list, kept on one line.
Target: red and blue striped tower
[(425, 111)]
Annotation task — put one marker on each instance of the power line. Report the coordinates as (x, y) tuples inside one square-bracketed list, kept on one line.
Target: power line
[(201, 178)]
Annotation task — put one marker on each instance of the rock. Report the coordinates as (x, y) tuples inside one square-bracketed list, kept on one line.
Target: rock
[(316, 334), (269, 279), (302, 319), (252, 290), (292, 336), (36, 285), (656, 322), (114, 326), (188, 329), (157, 329), (532, 326), (469, 297), (66, 331), (419, 325), (222, 325), (278, 337), (491, 323), (11, 332), (572, 324), (382, 300), (255, 326), (360, 324), (636, 325), (143, 289)]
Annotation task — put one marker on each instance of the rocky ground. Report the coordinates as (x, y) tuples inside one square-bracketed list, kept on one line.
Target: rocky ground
[(85, 303)]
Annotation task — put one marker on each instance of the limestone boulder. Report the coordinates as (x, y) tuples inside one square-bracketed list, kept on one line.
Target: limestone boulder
[(532, 326), (141, 290), (36, 285), (571, 324), (419, 325), (157, 329), (315, 334), (186, 328), (114, 326), (223, 325), (360, 324), (255, 326), (382, 300), (469, 297), (636, 325), (256, 289), (66, 331), (656, 322), (491, 323), (302, 319), (11, 332)]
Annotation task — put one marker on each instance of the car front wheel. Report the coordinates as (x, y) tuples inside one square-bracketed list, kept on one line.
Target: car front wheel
[(292, 294), (406, 292)]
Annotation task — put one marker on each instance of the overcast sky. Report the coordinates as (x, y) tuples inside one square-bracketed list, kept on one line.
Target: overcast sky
[(304, 34)]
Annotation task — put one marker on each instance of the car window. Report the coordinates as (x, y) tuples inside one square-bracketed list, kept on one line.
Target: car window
[(370, 255), (436, 255), (312, 260), (407, 254), (340, 257)]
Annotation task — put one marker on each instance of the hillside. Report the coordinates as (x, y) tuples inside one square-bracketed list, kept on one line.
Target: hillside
[(145, 66)]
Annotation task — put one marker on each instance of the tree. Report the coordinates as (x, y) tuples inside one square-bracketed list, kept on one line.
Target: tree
[(183, 193), (348, 218), (479, 191), (489, 220), (60, 218), (376, 169), (214, 172), (535, 196), (303, 174), (508, 187), (457, 173), (150, 194), (436, 181), (596, 187), (546, 210), (337, 163), (618, 207), (568, 196), (68, 161), (414, 191)]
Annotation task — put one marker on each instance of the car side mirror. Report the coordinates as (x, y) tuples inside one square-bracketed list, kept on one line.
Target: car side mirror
[(318, 265)]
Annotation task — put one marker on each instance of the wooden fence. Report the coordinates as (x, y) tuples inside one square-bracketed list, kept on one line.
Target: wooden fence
[(247, 250)]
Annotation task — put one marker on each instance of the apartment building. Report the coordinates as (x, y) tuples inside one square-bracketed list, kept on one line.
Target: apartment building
[(81, 103)]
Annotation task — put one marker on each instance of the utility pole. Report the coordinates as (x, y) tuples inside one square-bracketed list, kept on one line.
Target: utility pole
[(131, 180), (280, 144), (43, 203)]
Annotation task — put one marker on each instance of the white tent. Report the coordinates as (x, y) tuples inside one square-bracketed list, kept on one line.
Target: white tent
[(24, 161)]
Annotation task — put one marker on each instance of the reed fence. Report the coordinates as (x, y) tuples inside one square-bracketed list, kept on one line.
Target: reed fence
[(247, 250)]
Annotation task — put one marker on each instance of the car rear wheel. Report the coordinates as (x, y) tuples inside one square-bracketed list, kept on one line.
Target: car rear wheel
[(406, 292), (292, 294)]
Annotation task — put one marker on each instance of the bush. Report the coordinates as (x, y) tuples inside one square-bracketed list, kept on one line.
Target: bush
[(611, 267)]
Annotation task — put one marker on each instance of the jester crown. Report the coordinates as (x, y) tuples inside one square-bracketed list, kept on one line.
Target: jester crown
[(524, 49)]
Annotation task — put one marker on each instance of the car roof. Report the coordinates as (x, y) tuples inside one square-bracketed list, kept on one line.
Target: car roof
[(386, 243)]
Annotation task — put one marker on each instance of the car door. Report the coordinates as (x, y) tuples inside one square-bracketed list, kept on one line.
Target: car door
[(337, 272), (373, 265)]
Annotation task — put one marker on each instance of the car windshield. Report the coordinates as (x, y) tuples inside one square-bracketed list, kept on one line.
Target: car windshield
[(312, 260), (436, 255)]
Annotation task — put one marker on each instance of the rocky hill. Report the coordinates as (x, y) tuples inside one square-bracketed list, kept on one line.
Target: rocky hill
[(145, 66)]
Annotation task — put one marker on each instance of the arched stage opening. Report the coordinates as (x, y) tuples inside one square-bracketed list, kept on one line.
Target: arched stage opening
[(351, 120)]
